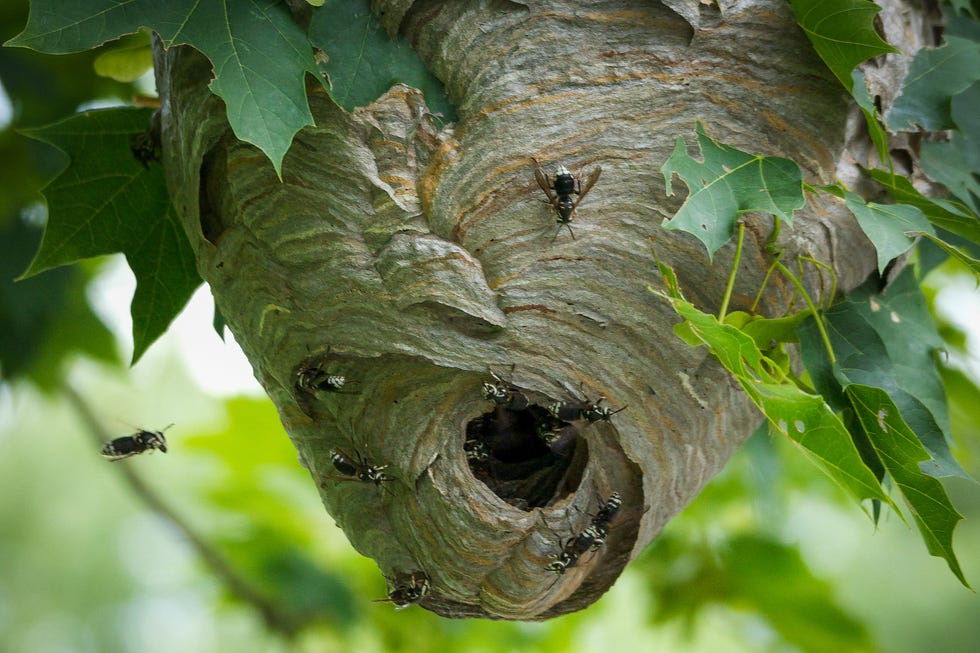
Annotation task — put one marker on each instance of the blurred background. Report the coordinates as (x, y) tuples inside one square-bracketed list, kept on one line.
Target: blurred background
[(222, 544)]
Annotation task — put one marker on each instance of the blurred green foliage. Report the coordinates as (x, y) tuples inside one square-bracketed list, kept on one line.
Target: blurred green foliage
[(769, 558), (45, 319)]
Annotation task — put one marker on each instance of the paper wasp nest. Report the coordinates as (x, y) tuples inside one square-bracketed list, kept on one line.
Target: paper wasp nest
[(418, 262)]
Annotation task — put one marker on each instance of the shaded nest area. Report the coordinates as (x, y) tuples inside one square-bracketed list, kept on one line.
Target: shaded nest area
[(523, 452)]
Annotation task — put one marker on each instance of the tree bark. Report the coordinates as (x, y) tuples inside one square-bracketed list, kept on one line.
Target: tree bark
[(413, 260)]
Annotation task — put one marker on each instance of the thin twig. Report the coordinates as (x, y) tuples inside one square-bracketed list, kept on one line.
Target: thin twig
[(275, 619)]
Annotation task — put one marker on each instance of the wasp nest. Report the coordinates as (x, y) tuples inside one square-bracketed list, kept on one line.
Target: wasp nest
[(494, 411)]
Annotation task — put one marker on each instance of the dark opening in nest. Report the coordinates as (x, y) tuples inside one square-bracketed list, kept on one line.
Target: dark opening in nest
[(528, 457)]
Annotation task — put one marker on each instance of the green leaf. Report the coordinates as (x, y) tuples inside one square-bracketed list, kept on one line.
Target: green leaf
[(805, 418), (964, 6), (934, 77), (955, 162), (951, 216), (888, 341), (874, 121), (105, 201), (363, 62), (260, 56), (127, 59), (44, 320), (765, 331), (902, 454), (842, 32), (957, 253), (727, 183), (887, 226)]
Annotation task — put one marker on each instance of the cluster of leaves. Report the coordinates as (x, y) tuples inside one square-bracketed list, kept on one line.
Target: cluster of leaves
[(106, 201), (46, 318), (870, 407)]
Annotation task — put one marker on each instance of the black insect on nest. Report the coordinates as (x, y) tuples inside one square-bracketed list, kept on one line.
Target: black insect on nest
[(519, 450), (313, 379), (408, 589), (357, 468), (560, 189)]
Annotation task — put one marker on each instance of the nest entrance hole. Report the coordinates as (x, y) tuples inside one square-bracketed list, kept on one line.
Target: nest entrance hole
[(526, 456)]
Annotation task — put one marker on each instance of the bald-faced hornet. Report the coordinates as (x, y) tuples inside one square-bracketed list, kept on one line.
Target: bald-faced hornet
[(608, 510), (600, 523), (504, 394), (558, 435), (314, 379), (357, 468), (476, 451), (569, 411), (596, 413), (408, 589), (588, 410), (575, 547), (137, 443), (560, 191)]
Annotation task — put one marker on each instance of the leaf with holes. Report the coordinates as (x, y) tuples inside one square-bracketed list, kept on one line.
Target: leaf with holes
[(260, 56), (363, 62), (891, 228), (842, 32), (805, 418), (105, 201), (903, 455), (887, 341), (727, 183)]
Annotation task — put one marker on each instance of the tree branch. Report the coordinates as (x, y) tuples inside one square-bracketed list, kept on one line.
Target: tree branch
[(275, 619)]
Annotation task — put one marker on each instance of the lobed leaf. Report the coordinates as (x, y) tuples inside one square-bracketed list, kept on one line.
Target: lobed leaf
[(260, 56), (935, 76), (891, 228), (363, 62), (765, 331), (726, 183), (106, 201), (842, 32), (902, 454)]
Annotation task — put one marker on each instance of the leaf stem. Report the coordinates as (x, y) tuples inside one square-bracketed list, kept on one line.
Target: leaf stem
[(833, 278), (731, 275), (816, 314), (762, 287)]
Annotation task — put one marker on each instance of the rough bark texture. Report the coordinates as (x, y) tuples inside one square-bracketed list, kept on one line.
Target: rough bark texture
[(411, 260)]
